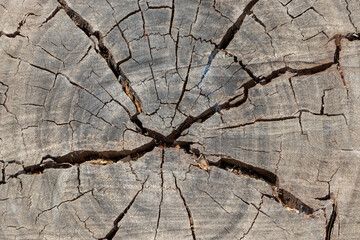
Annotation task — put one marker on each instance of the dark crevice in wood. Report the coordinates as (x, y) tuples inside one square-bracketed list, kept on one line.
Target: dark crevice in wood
[(134, 119), (143, 18), (330, 225), (185, 81), (158, 7), (246, 169), (322, 108), (219, 12), (158, 138), (198, 38), (52, 15), (228, 37), (87, 52), (282, 196), (43, 69), (230, 33), (39, 168), (17, 32), (184, 85), (191, 219), (115, 228), (338, 48), (263, 80), (85, 26), (3, 181), (349, 15), (162, 191), (78, 179), (298, 72), (187, 123), (82, 156), (248, 71), (288, 199), (261, 120), (172, 16), (352, 36), (123, 19), (326, 197), (98, 157), (338, 39)]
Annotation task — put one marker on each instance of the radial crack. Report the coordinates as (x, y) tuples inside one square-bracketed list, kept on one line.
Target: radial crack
[(230, 33), (338, 39), (254, 220), (115, 227), (228, 37), (191, 219), (162, 190), (330, 225), (86, 27)]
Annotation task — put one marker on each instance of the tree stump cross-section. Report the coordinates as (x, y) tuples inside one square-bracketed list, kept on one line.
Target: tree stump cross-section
[(169, 119)]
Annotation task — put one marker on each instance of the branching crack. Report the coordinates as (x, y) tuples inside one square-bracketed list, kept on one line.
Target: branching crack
[(254, 220), (85, 225), (58, 205), (229, 36), (17, 32), (100, 48)]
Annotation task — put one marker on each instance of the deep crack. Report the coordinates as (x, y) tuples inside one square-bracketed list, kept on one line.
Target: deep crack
[(330, 225), (282, 196), (86, 27)]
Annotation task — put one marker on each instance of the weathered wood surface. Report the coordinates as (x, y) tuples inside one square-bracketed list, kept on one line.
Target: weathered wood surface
[(179, 119)]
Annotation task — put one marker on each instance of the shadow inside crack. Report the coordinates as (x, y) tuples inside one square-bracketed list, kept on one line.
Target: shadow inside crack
[(282, 196)]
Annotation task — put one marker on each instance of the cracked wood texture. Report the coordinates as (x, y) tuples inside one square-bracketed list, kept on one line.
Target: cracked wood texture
[(179, 119)]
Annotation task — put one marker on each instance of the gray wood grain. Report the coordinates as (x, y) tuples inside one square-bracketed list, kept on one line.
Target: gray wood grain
[(169, 119)]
